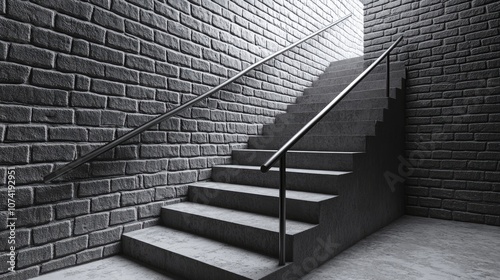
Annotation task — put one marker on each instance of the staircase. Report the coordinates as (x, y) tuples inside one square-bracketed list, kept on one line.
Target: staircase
[(337, 194)]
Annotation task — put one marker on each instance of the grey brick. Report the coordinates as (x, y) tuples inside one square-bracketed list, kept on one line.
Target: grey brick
[(68, 134), (121, 74), (163, 193), (91, 223), (104, 236), (27, 12), (105, 202), (32, 173), (80, 29), (108, 88), (107, 168), (13, 73), (22, 238), (88, 117), (125, 9), (26, 133), (150, 210), (159, 151), (33, 255), (13, 31), (70, 246), (89, 255), (137, 197), (178, 30), (126, 183), (153, 20), (50, 153), (121, 216), (106, 54), (154, 180), (74, 8), (14, 154), (182, 177), (153, 80), (123, 104), (122, 42), (80, 65), (51, 232), (139, 63), (80, 47), (87, 100), (108, 20), (52, 79), (45, 194), (113, 118), (72, 209), (140, 92), (166, 40), (112, 249), (58, 264), (139, 30)]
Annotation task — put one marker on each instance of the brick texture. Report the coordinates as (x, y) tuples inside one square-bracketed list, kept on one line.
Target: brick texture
[(451, 50), (76, 74)]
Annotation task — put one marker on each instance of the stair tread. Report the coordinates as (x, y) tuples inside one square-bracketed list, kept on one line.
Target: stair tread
[(269, 192), (218, 254), (248, 219), (288, 170), (299, 151)]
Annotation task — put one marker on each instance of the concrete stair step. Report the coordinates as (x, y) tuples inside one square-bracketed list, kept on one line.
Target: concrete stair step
[(333, 73), (339, 143), (323, 128), (306, 180), (325, 81), (363, 85), (256, 232), (195, 257), (369, 103), (322, 160), (347, 61), (376, 114), (301, 206), (353, 95), (357, 64)]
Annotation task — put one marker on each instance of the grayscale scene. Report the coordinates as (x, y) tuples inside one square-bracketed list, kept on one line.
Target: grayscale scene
[(249, 139)]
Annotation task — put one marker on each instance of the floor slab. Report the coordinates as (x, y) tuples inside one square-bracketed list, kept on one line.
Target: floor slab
[(419, 248)]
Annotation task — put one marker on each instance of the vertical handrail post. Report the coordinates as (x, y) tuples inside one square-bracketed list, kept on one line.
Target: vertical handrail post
[(282, 210), (387, 78)]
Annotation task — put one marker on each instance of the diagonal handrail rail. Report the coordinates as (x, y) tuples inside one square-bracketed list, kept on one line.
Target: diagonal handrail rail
[(281, 153), (74, 164)]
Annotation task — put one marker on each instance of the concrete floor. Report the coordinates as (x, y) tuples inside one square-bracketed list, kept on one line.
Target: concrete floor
[(419, 248), (410, 248)]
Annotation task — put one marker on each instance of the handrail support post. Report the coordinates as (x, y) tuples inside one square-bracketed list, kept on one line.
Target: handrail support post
[(387, 78), (282, 210)]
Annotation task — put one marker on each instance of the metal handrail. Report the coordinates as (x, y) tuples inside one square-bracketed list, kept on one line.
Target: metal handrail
[(74, 164), (281, 153)]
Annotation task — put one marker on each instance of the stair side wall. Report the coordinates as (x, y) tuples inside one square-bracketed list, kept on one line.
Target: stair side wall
[(76, 74), (451, 50)]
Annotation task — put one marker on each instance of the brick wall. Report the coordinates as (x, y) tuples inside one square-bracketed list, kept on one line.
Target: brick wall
[(76, 74), (452, 52)]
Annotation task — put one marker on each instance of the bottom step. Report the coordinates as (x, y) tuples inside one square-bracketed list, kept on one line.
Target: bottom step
[(196, 257)]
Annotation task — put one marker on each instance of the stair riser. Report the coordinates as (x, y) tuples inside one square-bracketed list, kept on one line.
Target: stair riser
[(342, 105), (322, 129), (312, 143), (345, 66), (340, 162), (347, 115), (353, 95), (363, 85), (172, 262), (325, 81), (262, 241), (298, 210), (328, 184), (332, 72)]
